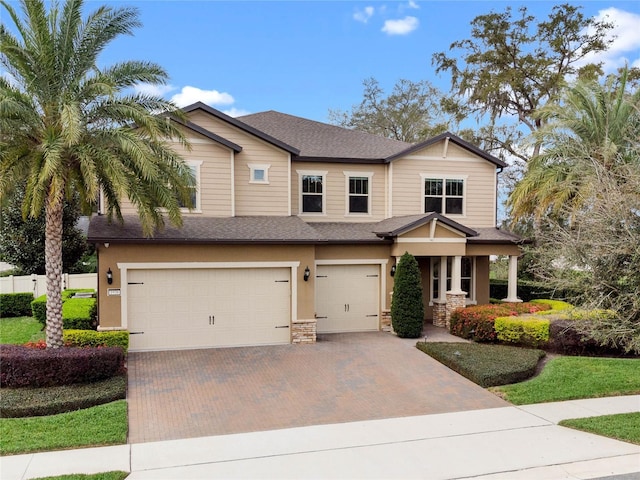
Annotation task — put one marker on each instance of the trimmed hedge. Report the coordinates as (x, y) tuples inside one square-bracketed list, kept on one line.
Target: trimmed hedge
[(36, 402), (407, 308), (532, 332), (486, 365), (477, 323), (77, 313), (31, 367), (527, 290), (15, 304), (554, 305), (91, 338)]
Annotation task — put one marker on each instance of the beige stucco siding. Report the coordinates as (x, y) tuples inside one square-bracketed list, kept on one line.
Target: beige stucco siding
[(253, 199), (336, 191), (407, 188), (109, 307)]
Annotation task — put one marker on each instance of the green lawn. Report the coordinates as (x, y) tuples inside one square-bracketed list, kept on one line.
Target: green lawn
[(623, 426), (569, 378), (96, 476), (95, 426), (20, 330)]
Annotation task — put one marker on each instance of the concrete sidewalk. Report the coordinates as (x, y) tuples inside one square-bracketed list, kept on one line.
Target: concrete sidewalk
[(500, 443)]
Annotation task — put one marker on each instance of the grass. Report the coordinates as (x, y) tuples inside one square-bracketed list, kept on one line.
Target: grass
[(95, 426), (116, 475), (31, 402), (570, 378), (486, 365), (623, 426), (19, 330)]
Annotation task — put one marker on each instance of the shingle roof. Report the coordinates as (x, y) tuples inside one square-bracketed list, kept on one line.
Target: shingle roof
[(392, 227), (321, 140), (278, 230)]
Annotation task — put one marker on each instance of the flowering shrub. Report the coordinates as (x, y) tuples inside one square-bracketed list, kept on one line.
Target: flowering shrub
[(477, 322)]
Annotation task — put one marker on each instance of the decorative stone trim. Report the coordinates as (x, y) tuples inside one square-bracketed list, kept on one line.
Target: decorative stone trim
[(440, 318), (303, 331), (385, 322), (454, 301)]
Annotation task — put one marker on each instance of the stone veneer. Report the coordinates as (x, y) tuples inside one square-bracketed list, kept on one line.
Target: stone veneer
[(385, 322), (454, 301), (303, 331), (440, 314)]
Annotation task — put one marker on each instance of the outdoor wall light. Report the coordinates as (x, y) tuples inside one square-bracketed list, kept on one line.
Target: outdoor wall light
[(393, 270), (109, 276), (307, 274)]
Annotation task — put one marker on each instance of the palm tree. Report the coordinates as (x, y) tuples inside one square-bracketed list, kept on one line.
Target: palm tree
[(594, 130), (68, 125)]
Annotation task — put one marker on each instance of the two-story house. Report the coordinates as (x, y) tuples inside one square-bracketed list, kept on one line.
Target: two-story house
[(297, 228)]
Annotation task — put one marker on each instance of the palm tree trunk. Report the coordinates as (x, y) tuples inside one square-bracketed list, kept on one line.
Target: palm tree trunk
[(53, 269)]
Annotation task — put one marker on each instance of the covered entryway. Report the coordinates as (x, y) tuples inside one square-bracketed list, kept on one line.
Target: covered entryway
[(347, 298), (208, 307)]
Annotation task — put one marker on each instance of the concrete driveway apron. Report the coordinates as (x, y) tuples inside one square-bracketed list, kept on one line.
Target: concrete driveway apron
[(341, 378)]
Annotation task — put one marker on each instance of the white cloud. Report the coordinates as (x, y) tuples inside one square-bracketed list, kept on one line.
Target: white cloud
[(235, 112), (153, 89), (189, 95), (364, 15), (626, 43), (413, 4), (400, 27)]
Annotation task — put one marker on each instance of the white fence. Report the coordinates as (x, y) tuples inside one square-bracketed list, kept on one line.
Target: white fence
[(37, 284)]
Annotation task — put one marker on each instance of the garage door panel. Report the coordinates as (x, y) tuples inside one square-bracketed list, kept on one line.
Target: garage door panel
[(173, 307), (347, 298)]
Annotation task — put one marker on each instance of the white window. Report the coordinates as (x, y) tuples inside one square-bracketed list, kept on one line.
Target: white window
[(467, 277), (194, 165), (259, 173), (358, 193), (312, 192), (444, 195)]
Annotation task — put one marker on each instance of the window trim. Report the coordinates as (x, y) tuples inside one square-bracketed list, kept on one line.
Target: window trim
[(471, 295), (253, 167), (444, 178), (348, 175), (196, 165), (315, 173)]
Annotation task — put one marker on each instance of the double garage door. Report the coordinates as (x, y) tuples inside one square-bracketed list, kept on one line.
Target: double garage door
[(198, 308)]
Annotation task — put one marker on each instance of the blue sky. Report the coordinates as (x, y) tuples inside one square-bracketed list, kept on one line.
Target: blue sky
[(306, 57)]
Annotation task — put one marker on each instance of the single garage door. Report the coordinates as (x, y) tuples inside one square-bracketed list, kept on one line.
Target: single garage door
[(199, 308), (347, 298)]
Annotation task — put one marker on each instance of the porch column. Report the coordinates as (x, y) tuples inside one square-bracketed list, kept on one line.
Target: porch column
[(512, 287), (456, 298), (440, 303)]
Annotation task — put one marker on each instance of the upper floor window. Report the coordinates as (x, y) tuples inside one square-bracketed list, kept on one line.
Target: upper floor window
[(195, 191), (312, 192), (358, 192), (444, 195), (258, 173)]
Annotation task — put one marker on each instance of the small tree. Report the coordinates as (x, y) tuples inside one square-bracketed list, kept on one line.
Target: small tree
[(407, 309)]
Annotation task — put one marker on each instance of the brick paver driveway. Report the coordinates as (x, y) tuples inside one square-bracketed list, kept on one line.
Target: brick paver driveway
[(342, 378)]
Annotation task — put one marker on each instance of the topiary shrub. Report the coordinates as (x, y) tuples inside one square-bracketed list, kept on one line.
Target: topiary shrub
[(15, 304), (407, 309), (31, 367), (91, 338), (531, 332), (79, 314), (39, 309)]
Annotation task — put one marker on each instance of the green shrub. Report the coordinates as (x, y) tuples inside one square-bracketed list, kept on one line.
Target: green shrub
[(407, 309), (79, 313), (555, 305), (91, 338), (528, 290), (595, 314), (35, 402), (39, 309), (531, 332), (15, 304), (486, 365)]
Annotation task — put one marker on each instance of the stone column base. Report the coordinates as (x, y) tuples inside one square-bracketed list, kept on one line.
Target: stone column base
[(303, 331), (439, 314), (385, 321), (454, 301)]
